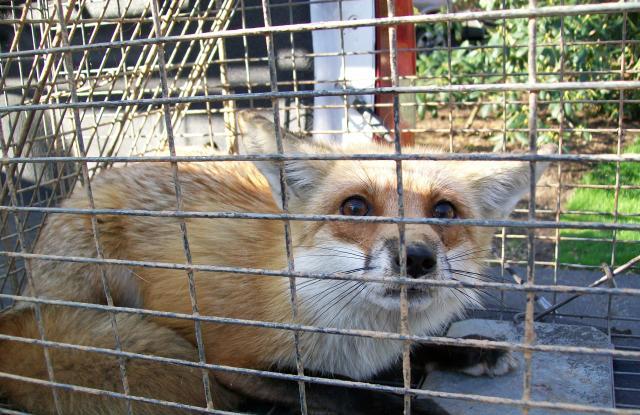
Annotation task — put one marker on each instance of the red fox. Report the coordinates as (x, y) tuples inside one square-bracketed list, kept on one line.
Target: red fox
[(438, 189)]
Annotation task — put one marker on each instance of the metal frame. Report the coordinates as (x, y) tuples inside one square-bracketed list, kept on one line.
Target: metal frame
[(57, 95)]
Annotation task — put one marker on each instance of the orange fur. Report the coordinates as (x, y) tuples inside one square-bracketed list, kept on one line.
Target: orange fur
[(251, 243), (92, 370)]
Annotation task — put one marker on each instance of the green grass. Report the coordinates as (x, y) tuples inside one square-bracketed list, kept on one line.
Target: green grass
[(602, 200)]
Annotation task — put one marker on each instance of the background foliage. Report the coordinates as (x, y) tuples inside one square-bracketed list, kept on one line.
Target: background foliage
[(603, 200)]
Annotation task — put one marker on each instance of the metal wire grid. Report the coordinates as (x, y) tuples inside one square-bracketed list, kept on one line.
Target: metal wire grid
[(51, 86)]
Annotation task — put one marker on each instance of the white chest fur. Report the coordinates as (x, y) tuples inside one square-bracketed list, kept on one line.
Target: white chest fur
[(346, 305)]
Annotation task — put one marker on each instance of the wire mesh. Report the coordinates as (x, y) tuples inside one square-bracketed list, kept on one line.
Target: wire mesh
[(90, 85)]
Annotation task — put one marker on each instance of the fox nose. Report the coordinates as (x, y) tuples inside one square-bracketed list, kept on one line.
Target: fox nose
[(420, 260)]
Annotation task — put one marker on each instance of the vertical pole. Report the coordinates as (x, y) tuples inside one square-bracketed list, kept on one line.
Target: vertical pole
[(529, 330), (405, 66)]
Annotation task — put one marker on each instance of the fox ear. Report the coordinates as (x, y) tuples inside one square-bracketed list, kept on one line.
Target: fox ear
[(499, 186), (256, 136)]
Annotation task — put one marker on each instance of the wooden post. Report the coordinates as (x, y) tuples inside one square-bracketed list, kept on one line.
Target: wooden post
[(406, 66)]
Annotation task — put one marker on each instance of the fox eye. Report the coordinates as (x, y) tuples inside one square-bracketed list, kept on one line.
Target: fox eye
[(355, 206), (444, 210)]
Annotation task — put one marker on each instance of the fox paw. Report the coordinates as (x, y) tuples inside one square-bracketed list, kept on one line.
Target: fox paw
[(492, 363)]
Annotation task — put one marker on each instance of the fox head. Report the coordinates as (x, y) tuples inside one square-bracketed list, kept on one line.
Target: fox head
[(432, 189)]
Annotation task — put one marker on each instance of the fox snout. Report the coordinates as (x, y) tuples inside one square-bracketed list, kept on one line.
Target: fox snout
[(421, 260)]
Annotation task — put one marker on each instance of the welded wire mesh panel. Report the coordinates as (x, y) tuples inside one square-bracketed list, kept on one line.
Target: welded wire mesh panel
[(141, 97)]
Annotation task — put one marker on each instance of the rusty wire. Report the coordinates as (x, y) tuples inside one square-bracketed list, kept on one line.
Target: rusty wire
[(120, 100)]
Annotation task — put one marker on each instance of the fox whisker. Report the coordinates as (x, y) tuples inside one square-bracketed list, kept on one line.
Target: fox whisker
[(354, 253), (362, 288), (334, 302), (480, 291), (326, 291), (466, 253), (327, 255), (475, 275), (472, 300), (317, 297), (474, 258)]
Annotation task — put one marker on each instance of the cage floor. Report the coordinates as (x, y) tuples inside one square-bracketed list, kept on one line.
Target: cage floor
[(556, 377)]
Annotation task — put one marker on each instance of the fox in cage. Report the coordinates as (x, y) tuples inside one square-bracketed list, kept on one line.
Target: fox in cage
[(304, 270), (344, 187)]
